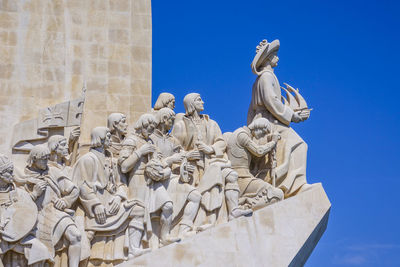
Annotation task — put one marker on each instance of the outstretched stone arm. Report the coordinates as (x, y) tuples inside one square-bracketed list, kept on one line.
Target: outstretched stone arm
[(253, 147)]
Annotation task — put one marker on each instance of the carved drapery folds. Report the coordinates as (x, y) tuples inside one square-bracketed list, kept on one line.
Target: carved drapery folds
[(170, 177)]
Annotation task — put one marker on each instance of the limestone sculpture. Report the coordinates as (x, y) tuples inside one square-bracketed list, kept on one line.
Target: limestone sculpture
[(18, 215), (135, 155), (54, 195), (266, 102), (202, 138), (110, 214), (174, 176), (242, 147), (184, 195)]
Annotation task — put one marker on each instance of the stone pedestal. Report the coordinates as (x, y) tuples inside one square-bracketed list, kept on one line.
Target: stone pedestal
[(283, 234)]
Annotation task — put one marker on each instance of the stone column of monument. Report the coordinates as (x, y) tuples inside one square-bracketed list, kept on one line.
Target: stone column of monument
[(50, 48)]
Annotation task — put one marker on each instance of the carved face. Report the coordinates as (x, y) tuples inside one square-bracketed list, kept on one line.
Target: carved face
[(121, 126), (7, 175), (62, 148), (107, 140), (171, 104), (147, 130), (198, 104), (41, 163), (169, 122), (274, 60), (259, 133)]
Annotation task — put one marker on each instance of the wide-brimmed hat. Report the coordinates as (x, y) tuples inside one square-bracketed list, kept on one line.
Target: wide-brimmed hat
[(264, 49)]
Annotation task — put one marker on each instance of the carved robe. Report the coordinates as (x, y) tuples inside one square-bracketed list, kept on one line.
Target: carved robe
[(153, 194), (52, 222), (167, 146), (96, 176), (291, 149), (208, 180), (33, 250)]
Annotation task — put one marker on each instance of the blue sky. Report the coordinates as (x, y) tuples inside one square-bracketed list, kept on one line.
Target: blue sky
[(343, 56)]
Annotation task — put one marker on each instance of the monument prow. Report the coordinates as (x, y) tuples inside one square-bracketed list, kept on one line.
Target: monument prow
[(282, 234)]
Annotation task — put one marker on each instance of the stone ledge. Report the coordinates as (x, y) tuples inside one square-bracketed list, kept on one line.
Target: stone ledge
[(283, 234)]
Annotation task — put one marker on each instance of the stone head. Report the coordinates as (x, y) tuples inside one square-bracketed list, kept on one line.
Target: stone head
[(146, 125), (6, 169), (58, 145), (192, 103), (260, 127), (100, 137), (116, 122), (39, 157), (166, 117), (165, 100)]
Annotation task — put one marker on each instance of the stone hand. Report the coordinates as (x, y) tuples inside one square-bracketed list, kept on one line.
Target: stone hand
[(204, 148), (276, 137), (193, 155), (115, 203), (100, 213), (305, 114), (60, 204), (75, 133), (176, 158), (39, 188), (296, 117), (147, 149), (190, 168)]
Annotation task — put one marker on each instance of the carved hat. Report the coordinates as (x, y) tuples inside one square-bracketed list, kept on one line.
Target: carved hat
[(263, 51)]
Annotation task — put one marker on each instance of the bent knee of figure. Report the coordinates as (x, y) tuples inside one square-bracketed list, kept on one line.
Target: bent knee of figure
[(194, 196), (232, 178), (73, 235)]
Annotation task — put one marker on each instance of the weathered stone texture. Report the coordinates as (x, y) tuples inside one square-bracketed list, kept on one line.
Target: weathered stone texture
[(282, 234), (50, 48)]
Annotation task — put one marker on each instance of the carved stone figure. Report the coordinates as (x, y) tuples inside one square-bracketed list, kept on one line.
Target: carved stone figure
[(59, 154), (110, 215), (136, 153), (116, 122), (184, 196), (266, 102), (165, 100), (242, 146), (18, 215), (202, 138), (54, 195)]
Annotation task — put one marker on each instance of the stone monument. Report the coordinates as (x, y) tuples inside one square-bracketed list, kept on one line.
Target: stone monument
[(82, 188)]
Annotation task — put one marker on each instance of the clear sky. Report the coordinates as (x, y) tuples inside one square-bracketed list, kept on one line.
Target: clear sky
[(343, 56)]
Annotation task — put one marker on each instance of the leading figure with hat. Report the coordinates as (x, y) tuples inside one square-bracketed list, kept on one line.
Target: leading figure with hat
[(266, 102)]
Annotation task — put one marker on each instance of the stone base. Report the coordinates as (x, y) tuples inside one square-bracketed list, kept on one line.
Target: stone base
[(283, 234)]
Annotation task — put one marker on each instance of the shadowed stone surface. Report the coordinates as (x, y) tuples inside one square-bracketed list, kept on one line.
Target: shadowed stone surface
[(283, 234)]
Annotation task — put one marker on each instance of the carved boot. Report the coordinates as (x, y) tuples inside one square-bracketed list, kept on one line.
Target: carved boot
[(185, 230), (232, 202), (165, 223), (135, 237)]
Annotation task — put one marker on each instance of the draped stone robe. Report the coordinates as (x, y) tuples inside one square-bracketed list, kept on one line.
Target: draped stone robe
[(167, 146), (52, 222), (96, 175), (208, 180), (291, 149)]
